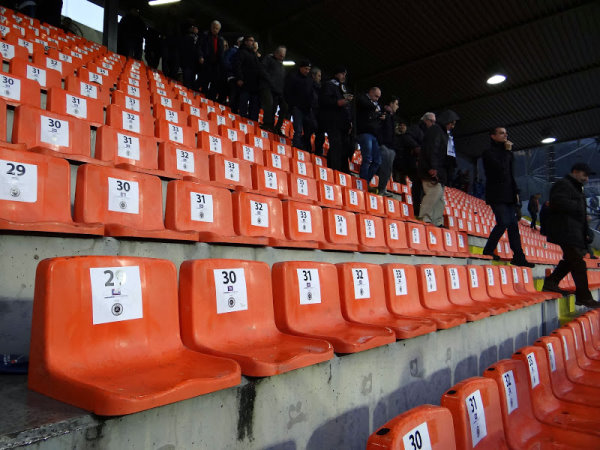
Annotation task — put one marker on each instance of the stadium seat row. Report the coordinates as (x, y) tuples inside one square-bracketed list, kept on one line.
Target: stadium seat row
[(108, 332), (546, 396)]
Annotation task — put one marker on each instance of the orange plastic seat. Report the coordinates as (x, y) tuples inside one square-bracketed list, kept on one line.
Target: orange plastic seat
[(435, 242), (426, 427), (168, 131), (434, 295), (215, 144), (588, 345), (79, 87), (226, 309), (277, 161), (562, 387), (574, 372), (192, 110), (303, 225), (125, 309), (353, 200), (371, 234), (305, 306), (477, 281), (281, 149), (199, 124), (51, 133), (458, 290), (363, 300), (451, 243), (403, 298), (475, 407), (35, 194), (302, 189), (392, 208), (258, 141), (417, 239), (118, 117), (521, 427), (129, 204), (126, 150), (324, 174), (10, 51), (85, 108), (529, 288), (35, 72), (343, 179), (15, 90), (130, 103), (506, 284), (269, 181), (546, 407), (231, 133), (170, 115), (395, 237), (374, 205), (329, 195), (248, 153), (230, 172), (259, 217), (340, 230), (177, 161), (494, 288), (302, 168), (221, 120)]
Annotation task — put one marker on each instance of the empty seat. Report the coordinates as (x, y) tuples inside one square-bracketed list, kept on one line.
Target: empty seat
[(395, 237), (434, 294), (35, 194), (423, 427), (226, 308), (277, 161), (125, 309), (302, 168), (175, 161), (435, 242), (199, 124), (494, 288), (392, 208), (324, 174), (521, 427), (215, 144), (417, 239), (306, 307), (475, 407), (329, 195), (84, 108), (353, 199), (51, 133), (506, 284), (458, 290), (118, 117), (129, 204), (79, 87), (363, 300), (403, 298), (302, 189), (340, 230), (248, 153), (374, 205), (546, 407), (371, 234), (574, 372), (259, 217), (130, 103), (35, 72), (126, 150), (230, 172), (16, 90), (303, 225), (269, 181)]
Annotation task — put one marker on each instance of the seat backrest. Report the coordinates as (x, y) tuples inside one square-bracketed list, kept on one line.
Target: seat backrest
[(401, 288), (554, 355), (569, 349), (450, 241), (475, 407), (178, 134), (539, 379), (435, 241), (303, 189), (493, 278), (417, 239), (222, 300), (281, 149), (329, 194), (395, 235), (432, 286), (178, 160), (215, 144), (199, 207), (392, 208), (114, 196), (362, 292), (374, 205), (248, 153), (84, 108), (423, 427), (353, 199), (257, 215), (34, 187), (457, 283), (324, 174), (117, 309), (340, 226), (306, 294), (518, 419), (277, 161), (303, 222), (122, 147), (302, 168), (119, 117), (230, 171), (463, 243), (371, 232), (269, 181), (477, 282)]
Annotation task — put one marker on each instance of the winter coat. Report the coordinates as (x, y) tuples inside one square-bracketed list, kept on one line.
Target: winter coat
[(433, 153), (367, 116), (275, 75), (247, 67), (567, 222), (332, 116), (208, 49), (298, 91), (500, 185)]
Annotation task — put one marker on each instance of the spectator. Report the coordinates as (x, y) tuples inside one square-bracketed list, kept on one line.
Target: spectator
[(49, 11), (130, 34), (311, 123), (568, 227), (433, 169), (386, 145), (369, 118), (544, 213), (248, 72), (502, 195), (191, 57), (334, 116), (152, 49), (228, 59), (213, 49), (533, 207), (271, 91), (299, 96)]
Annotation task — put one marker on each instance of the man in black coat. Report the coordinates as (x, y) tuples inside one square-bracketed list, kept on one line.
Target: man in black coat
[(568, 227), (271, 90), (248, 72), (334, 116), (502, 194), (534, 207), (213, 48), (433, 167), (369, 118), (386, 145), (298, 94)]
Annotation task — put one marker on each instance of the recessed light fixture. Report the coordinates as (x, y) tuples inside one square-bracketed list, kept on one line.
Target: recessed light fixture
[(161, 2), (496, 79), (548, 140), (289, 63)]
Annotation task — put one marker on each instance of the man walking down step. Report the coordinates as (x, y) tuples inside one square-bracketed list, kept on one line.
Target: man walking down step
[(568, 227), (502, 194)]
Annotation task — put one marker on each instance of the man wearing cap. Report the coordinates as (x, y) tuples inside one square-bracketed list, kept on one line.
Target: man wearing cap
[(502, 194), (568, 227), (298, 94), (334, 116)]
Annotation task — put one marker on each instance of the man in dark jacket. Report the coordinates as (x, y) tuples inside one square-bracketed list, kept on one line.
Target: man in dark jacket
[(502, 194), (271, 90), (191, 57), (248, 72), (369, 118), (334, 116), (299, 95), (568, 227), (433, 167), (386, 145), (533, 207), (213, 48)]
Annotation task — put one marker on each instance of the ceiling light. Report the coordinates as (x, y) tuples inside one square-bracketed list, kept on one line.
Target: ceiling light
[(496, 79), (289, 63), (548, 140), (161, 2)]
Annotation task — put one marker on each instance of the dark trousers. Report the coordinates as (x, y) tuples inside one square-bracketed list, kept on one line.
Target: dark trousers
[(249, 104), (533, 219), (506, 219), (572, 261), (269, 103), (337, 155), (385, 169), (416, 193)]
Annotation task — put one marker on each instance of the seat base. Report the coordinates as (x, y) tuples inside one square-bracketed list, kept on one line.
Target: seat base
[(125, 231), (95, 229)]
